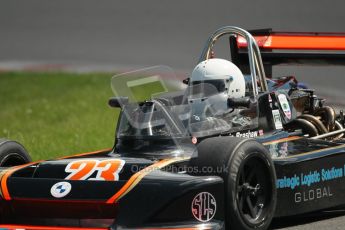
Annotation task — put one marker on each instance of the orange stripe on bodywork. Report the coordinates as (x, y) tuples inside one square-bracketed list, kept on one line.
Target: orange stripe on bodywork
[(297, 42), (4, 175), (137, 177), (282, 140), (317, 151), (7, 174)]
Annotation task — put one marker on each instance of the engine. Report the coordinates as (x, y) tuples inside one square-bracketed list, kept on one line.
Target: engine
[(314, 118)]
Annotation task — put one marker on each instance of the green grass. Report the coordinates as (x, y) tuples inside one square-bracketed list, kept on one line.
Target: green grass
[(57, 114)]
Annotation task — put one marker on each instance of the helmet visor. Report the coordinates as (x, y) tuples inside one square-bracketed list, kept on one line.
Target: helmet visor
[(219, 84)]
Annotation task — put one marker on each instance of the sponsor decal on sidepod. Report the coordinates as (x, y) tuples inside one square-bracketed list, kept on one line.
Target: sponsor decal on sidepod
[(204, 206)]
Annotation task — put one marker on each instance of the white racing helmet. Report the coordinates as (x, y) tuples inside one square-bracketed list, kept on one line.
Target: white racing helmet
[(221, 73)]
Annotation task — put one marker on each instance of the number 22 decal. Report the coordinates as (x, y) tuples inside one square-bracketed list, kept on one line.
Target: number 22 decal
[(107, 170)]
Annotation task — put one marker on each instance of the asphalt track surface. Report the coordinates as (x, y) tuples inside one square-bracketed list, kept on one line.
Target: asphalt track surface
[(129, 34)]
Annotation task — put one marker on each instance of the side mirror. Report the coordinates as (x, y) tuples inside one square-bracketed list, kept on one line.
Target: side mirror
[(186, 81), (117, 102), (239, 102)]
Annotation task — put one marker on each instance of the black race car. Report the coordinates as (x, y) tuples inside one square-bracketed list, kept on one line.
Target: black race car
[(189, 156)]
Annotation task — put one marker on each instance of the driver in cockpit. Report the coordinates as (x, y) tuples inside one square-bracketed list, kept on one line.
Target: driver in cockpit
[(218, 80), (222, 74)]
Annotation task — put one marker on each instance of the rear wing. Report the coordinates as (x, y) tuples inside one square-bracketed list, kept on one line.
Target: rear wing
[(292, 48)]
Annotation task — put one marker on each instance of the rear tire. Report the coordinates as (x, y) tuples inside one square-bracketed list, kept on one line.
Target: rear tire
[(249, 179), (12, 153)]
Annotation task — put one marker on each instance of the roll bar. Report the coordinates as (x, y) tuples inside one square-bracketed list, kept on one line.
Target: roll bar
[(255, 61)]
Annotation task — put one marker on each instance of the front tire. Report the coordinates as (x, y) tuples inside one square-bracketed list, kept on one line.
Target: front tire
[(249, 179), (12, 154)]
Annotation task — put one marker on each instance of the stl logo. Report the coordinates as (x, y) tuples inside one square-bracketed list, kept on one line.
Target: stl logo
[(204, 207)]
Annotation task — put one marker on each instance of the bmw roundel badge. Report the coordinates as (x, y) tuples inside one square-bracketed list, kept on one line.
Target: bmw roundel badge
[(60, 189)]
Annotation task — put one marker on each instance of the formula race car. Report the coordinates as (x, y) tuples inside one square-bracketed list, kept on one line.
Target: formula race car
[(226, 148)]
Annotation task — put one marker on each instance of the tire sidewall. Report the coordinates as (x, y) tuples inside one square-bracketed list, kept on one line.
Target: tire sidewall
[(12, 149), (245, 150)]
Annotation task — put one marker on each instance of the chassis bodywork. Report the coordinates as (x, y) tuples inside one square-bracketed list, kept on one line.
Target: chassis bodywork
[(151, 192)]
